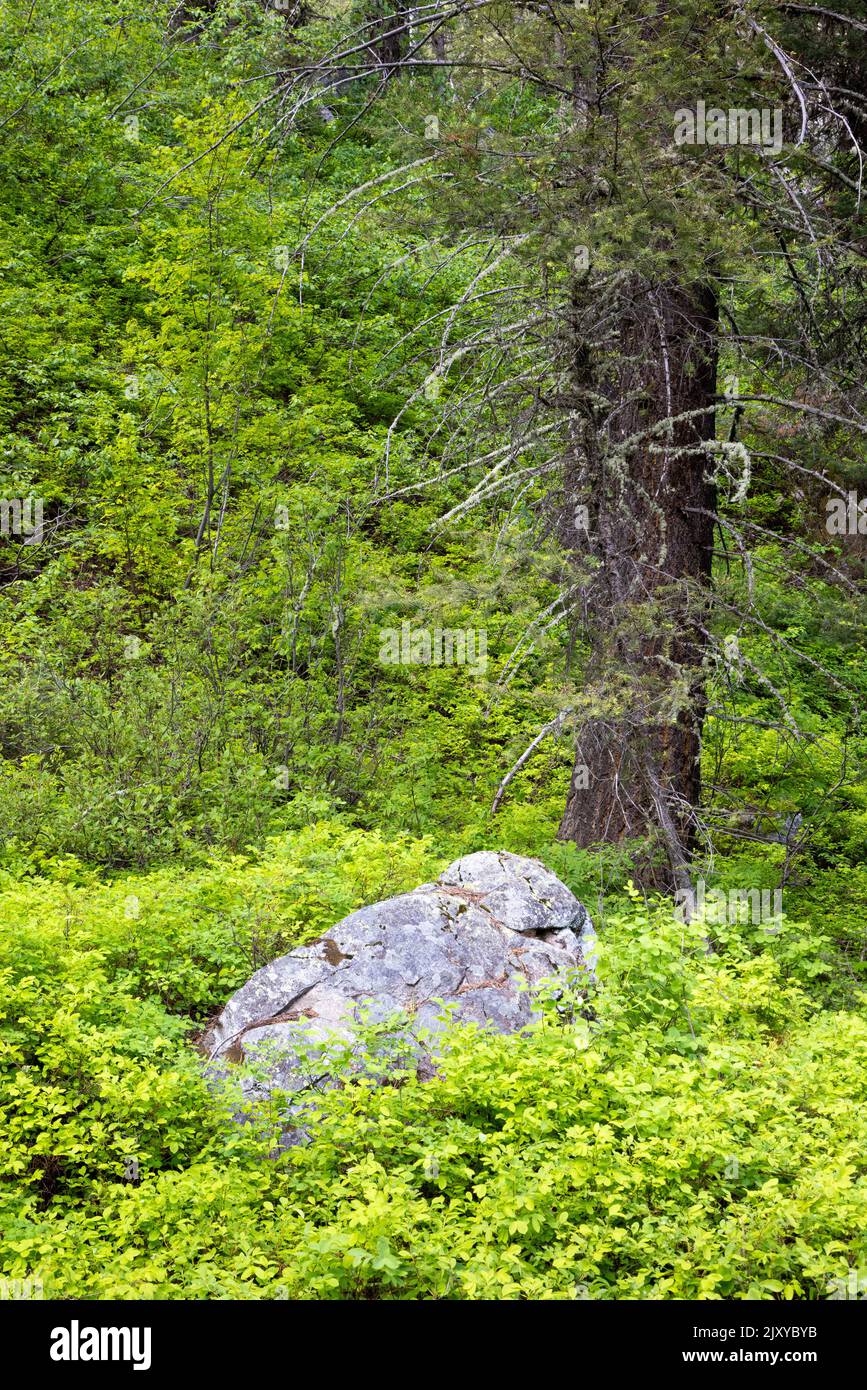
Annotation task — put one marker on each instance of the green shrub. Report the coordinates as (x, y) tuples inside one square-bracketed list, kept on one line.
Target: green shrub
[(698, 1133)]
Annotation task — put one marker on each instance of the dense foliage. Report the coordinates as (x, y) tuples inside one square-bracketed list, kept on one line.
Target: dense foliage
[(703, 1137), (204, 761)]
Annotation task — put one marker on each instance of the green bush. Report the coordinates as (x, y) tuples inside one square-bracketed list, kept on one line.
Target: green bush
[(699, 1132)]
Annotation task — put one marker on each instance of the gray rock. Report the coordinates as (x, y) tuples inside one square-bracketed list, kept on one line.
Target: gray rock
[(491, 927)]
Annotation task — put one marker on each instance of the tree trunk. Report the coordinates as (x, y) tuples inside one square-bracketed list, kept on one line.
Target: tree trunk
[(386, 38), (637, 770)]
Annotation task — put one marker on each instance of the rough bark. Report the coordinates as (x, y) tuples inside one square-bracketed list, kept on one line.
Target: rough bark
[(637, 771)]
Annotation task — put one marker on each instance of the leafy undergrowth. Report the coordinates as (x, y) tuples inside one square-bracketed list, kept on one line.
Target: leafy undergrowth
[(699, 1132)]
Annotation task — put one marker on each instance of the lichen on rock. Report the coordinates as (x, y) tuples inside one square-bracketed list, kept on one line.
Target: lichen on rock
[(491, 925)]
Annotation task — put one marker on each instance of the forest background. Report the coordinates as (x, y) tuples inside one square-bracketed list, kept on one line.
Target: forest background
[(223, 376)]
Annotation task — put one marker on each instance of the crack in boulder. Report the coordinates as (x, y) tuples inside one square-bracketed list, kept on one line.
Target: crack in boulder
[(515, 921)]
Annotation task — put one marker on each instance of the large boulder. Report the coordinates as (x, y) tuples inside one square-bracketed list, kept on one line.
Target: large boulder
[(492, 925)]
